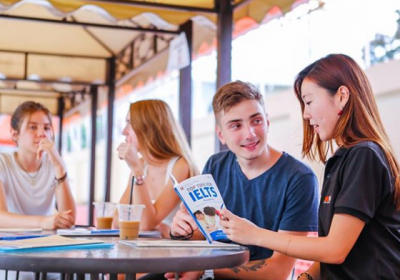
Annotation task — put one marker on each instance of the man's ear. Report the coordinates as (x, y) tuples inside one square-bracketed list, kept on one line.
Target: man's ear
[(219, 134)]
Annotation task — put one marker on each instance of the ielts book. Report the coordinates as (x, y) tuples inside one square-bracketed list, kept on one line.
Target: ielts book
[(203, 200)]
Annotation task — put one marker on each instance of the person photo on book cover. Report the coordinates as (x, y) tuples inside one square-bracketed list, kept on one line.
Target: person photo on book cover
[(200, 218), (33, 179), (359, 212), (155, 146), (211, 219), (256, 181)]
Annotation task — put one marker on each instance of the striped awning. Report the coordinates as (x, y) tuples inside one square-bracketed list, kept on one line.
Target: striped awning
[(70, 40)]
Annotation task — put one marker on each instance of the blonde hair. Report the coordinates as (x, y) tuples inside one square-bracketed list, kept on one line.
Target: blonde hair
[(159, 134), (360, 120)]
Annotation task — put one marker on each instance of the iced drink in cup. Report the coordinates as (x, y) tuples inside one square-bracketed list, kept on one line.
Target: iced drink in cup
[(104, 214), (129, 216)]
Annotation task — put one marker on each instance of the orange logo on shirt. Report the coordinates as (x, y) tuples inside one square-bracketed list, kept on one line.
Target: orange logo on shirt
[(327, 199)]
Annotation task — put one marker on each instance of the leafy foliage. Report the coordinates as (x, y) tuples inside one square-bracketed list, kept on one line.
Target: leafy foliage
[(384, 48)]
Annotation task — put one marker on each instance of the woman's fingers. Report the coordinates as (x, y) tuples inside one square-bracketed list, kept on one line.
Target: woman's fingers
[(128, 152), (171, 275), (121, 150), (227, 218), (65, 219), (226, 213)]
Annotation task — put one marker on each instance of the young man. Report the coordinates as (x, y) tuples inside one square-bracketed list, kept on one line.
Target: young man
[(257, 182)]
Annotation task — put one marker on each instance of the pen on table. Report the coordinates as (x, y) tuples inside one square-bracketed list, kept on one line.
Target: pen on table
[(105, 231), (18, 237)]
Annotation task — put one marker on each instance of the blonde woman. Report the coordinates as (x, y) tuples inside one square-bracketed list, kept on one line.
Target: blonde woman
[(152, 132)]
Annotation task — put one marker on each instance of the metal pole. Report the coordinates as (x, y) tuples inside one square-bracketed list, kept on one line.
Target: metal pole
[(92, 189), (110, 119), (185, 86), (60, 114), (224, 50)]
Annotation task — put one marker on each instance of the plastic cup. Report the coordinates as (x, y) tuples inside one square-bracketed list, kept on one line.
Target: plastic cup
[(129, 216), (104, 214)]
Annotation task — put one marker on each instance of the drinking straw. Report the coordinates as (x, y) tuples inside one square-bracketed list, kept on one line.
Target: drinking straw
[(130, 196), (132, 183)]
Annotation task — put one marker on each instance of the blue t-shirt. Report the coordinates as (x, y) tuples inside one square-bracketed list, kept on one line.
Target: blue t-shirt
[(285, 197)]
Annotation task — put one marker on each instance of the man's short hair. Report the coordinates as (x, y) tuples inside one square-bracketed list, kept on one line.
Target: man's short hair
[(233, 93)]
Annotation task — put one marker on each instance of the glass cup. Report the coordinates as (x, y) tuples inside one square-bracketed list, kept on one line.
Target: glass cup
[(129, 216), (104, 214)]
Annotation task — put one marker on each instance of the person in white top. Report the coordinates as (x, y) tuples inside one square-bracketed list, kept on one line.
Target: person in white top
[(152, 131), (33, 179)]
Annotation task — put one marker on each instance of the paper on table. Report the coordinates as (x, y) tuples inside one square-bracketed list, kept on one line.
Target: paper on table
[(43, 242), (150, 233), (87, 232), (20, 229), (73, 231), (102, 232), (179, 243)]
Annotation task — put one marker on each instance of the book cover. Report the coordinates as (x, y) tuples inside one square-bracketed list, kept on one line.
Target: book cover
[(203, 200)]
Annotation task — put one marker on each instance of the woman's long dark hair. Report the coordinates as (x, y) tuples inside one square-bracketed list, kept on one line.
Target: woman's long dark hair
[(360, 120)]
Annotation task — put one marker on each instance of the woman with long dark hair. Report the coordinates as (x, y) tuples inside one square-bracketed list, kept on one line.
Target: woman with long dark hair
[(359, 217)]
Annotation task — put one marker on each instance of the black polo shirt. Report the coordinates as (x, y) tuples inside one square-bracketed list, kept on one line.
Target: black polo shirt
[(358, 182)]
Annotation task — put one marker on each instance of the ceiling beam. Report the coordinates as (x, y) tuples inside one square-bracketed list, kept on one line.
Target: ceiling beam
[(54, 54), (88, 24), (29, 93), (78, 83), (145, 4), (94, 37)]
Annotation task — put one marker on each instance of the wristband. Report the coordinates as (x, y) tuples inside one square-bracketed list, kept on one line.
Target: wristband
[(308, 276), (60, 180), (180, 237), (139, 180), (208, 275)]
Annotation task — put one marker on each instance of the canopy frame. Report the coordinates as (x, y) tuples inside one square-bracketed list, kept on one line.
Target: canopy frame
[(222, 9)]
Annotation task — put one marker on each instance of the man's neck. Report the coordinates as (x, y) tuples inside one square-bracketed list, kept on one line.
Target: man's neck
[(252, 168)]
